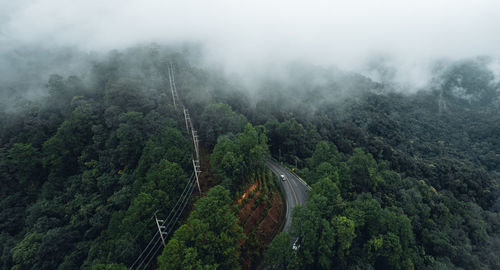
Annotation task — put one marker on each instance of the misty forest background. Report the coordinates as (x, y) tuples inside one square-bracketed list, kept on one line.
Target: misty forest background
[(400, 180)]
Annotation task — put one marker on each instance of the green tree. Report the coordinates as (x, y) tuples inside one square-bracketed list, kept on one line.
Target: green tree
[(324, 152), (209, 239), (219, 119), (344, 231), (25, 252), (363, 171), (227, 159), (57, 157), (237, 158), (130, 139), (279, 253), (25, 163)]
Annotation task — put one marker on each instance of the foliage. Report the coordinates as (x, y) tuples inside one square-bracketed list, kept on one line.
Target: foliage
[(236, 158), (279, 254), (209, 239), (381, 220), (400, 181), (219, 119), (83, 171)]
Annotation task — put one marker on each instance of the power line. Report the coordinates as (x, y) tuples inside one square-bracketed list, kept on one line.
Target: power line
[(180, 205), (144, 250), (169, 231), (141, 231), (184, 200), (174, 214), (186, 188), (180, 197), (172, 88), (153, 255), (157, 241), (168, 227)]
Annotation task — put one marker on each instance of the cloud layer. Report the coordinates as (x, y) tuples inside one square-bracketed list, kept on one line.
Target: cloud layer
[(248, 36)]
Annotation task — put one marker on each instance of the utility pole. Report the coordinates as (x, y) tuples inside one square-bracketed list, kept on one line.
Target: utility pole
[(195, 143), (186, 118), (197, 171), (160, 228), (171, 79), (194, 133)]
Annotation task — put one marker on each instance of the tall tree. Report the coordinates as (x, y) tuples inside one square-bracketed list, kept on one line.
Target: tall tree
[(209, 239)]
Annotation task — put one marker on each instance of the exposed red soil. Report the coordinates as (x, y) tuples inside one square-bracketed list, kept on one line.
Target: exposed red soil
[(270, 224), (260, 223), (254, 218), (250, 189), (247, 211)]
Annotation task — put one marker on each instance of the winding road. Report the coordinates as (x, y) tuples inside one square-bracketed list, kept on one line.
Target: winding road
[(295, 190)]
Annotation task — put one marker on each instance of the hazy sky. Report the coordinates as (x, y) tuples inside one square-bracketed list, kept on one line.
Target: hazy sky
[(244, 35)]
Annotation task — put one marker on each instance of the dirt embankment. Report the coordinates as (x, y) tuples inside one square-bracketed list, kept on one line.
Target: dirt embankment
[(270, 225), (261, 214)]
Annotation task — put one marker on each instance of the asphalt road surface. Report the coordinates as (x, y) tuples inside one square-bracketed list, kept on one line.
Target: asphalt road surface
[(295, 190)]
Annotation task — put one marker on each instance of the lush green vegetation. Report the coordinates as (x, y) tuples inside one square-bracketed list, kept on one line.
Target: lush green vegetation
[(399, 181), (84, 169), (209, 239)]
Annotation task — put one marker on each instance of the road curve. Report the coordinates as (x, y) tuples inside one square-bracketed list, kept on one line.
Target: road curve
[(295, 190)]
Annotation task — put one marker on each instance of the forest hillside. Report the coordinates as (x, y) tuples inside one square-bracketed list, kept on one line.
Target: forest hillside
[(400, 179)]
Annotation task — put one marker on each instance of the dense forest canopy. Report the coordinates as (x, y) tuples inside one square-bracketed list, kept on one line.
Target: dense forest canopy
[(399, 180)]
